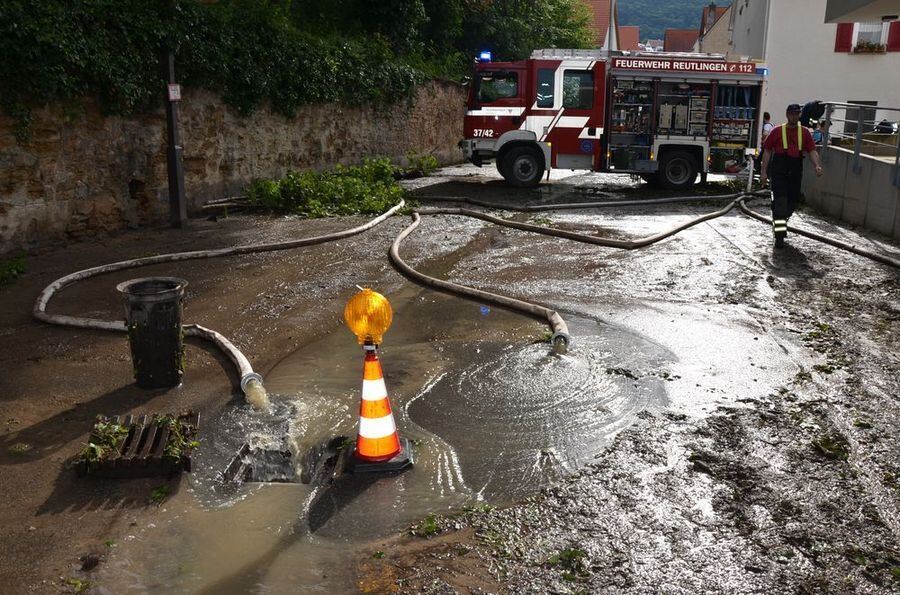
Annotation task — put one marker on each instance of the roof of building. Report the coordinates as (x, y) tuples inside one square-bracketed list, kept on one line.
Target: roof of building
[(711, 14), (599, 24), (629, 37), (680, 40)]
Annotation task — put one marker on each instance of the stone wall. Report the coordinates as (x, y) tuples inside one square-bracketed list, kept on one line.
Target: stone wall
[(82, 173)]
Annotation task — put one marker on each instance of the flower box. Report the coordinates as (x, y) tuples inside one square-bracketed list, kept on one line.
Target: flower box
[(867, 47)]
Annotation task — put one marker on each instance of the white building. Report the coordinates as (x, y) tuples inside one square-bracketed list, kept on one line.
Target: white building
[(811, 59)]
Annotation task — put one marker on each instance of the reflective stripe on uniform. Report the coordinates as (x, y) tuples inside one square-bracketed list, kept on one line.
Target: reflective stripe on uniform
[(784, 142)]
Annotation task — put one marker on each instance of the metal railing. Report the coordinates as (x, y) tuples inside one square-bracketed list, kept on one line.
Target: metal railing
[(861, 145)]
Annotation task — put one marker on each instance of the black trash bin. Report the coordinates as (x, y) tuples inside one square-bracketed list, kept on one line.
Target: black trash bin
[(153, 307)]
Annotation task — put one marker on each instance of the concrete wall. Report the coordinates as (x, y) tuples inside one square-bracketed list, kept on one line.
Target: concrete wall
[(798, 47), (82, 173), (748, 20), (867, 199)]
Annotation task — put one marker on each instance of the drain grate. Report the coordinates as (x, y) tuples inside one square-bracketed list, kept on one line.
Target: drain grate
[(319, 465), (155, 445), (260, 465)]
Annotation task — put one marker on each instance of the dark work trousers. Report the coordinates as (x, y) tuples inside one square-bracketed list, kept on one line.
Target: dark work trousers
[(787, 174)]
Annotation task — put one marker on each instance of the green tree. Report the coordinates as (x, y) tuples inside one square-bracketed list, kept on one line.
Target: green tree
[(444, 23), (513, 28), (285, 52)]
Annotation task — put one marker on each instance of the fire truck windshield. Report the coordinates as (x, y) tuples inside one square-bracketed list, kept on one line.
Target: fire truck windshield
[(496, 85)]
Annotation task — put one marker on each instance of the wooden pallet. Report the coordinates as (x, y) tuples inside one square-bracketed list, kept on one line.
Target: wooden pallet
[(140, 453)]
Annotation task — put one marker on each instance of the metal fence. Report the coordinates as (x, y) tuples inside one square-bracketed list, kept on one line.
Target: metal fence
[(858, 123)]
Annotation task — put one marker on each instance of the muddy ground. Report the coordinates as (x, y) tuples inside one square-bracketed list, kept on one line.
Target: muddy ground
[(794, 491), (55, 380), (788, 481)]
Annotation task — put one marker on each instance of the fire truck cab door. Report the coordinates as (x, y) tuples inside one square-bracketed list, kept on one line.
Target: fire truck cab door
[(574, 132), (497, 103)]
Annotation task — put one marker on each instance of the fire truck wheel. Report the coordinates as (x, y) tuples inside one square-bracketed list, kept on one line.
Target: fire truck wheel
[(523, 167), (677, 170)]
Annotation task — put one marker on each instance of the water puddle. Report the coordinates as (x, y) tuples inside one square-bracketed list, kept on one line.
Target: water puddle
[(491, 415), (519, 417)]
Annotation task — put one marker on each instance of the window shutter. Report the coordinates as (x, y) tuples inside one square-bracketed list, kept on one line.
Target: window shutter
[(843, 41), (893, 43)]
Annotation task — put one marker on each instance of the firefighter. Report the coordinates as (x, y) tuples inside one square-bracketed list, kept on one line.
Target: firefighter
[(783, 152)]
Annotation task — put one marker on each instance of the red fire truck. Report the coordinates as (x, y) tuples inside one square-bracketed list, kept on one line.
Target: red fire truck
[(665, 117)]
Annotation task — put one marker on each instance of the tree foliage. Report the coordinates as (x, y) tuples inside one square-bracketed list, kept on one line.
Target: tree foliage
[(285, 52), (512, 29)]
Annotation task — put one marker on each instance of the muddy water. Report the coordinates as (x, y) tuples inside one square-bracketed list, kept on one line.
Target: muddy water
[(491, 414), (538, 416)]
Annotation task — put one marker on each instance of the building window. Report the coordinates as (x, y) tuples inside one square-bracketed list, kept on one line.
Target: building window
[(872, 32), (867, 38)]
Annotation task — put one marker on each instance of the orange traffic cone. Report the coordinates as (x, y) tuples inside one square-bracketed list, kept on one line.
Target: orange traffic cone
[(378, 445), (377, 439)]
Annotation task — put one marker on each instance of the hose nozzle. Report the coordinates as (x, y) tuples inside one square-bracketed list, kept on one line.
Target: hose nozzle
[(560, 343), (254, 391)]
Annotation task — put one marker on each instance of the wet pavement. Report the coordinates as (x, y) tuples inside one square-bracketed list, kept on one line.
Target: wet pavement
[(770, 465), (723, 422)]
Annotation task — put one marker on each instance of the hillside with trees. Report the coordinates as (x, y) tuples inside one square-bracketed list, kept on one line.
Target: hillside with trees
[(655, 16)]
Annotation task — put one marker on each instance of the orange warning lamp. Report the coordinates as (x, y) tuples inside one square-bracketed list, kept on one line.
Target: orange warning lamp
[(369, 315)]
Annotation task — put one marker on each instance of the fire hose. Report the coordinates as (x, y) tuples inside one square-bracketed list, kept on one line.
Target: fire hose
[(560, 338), (824, 239), (251, 382)]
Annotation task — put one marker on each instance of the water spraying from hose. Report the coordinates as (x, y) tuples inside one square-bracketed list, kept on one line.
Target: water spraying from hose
[(256, 394)]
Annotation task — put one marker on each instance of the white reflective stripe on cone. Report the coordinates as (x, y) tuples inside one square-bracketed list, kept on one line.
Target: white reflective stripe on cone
[(379, 427), (374, 390)]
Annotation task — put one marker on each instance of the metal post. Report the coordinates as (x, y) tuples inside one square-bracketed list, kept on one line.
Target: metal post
[(897, 165), (857, 167), (750, 173), (177, 206), (826, 133)]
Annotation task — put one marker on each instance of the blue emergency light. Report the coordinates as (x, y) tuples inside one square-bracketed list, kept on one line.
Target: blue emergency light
[(484, 57)]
